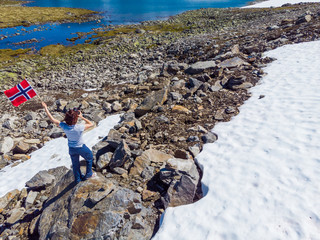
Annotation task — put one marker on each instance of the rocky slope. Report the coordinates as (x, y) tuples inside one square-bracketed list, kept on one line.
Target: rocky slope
[(173, 83)]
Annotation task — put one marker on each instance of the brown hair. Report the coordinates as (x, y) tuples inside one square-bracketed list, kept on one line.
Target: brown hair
[(71, 117)]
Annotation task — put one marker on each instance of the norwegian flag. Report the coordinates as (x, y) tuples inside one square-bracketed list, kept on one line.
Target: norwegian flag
[(20, 93)]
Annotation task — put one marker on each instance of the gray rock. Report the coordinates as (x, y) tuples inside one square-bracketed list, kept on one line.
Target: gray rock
[(216, 87), (219, 115), (232, 62), (43, 124), (274, 27), (303, 19), (3, 162), (97, 196), (162, 119), (55, 132), (234, 81), (199, 67), (230, 110), (58, 172), (210, 137), (167, 176), (147, 173), (194, 83), (103, 160), (4, 201), (114, 138), (97, 116), (15, 215), (21, 147), (31, 126), (183, 167), (244, 85), (119, 170), (8, 124), (128, 117), (195, 149), (135, 207), (148, 156), (31, 116), (6, 144), (41, 180), (121, 155), (107, 107), (138, 223), (31, 199), (174, 79), (139, 30), (173, 68), (116, 106), (178, 85), (154, 99), (61, 104), (94, 209), (180, 192), (180, 153), (175, 96), (193, 139)]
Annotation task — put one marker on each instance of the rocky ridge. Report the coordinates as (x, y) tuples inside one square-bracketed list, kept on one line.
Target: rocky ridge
[(171, 96)]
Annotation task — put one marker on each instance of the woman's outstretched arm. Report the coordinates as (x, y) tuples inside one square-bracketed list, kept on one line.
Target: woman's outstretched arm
[(52, 119)]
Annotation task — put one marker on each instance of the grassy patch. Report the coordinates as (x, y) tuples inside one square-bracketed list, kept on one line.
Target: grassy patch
[(163, 27), (10, 3), (11, 16), (9, 55), (60, 50)]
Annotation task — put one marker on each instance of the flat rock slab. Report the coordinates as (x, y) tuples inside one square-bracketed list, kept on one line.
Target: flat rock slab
[(232, 62), (199, 67)]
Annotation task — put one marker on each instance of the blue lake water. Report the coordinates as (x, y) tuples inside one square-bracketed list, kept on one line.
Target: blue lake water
[(113, 11)]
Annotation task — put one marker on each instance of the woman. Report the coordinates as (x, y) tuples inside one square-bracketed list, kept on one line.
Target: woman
[(75, 141)]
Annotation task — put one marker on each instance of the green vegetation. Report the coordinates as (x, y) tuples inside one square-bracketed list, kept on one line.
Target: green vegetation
[(11, 55), (10, 3), (11, 16), (60, 50), (162, 27)]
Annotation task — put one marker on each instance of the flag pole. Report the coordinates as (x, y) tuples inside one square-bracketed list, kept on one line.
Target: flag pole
[(39, 97), (36, 93)]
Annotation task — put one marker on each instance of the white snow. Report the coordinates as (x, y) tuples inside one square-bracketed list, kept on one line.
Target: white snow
[(277, 3), (261, 178), (53, 154)]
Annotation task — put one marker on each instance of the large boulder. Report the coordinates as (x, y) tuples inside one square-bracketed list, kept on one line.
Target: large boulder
[(40, 180), (182, 177), (154, 99), (94, 209), (121, 155), (103, 152), (147, 157)]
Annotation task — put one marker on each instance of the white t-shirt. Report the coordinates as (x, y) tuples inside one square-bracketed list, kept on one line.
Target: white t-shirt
[(74, 134)]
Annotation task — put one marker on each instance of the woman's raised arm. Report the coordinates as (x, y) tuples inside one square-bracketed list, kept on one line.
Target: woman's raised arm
[(88, 123), (52, 119)]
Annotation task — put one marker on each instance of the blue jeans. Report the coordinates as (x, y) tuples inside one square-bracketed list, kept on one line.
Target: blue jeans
[(86, 153)]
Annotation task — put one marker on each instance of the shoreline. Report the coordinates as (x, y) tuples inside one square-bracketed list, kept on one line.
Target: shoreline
[(92, 16)]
